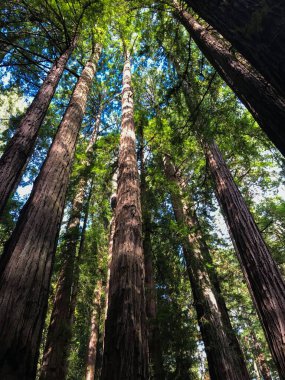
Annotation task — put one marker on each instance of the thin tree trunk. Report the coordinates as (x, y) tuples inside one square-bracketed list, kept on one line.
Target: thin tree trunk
[(75, 285), (126, 351), (261, 99), (225, 358), (262, 275), (260, 359), (93, 339), (254, 28), (150, 292), (20, 147), (26, 264), (59, 331)]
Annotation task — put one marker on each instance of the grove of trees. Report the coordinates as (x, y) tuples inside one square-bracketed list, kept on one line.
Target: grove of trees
[(142, 192)]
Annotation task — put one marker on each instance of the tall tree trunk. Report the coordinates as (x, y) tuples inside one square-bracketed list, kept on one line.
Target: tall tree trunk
[(262, 275), (26, 263), (126, 351), (261, 99), (93, 339), (150, 292), (225, 358), (54, 364), (254, 28), (20, 147), (59, 331)]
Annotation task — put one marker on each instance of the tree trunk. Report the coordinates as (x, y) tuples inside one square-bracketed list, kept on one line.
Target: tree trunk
[(260, 359), (19, 149), (262, 275), (93, 339), (225, 358), (59, 331), (126, 351), (255, 28), (26, 264), (150, 292), (261, 99)]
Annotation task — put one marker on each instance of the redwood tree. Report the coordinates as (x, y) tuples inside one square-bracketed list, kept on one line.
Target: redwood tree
[(262, 275), (254, 28), (224, 355), (151, 298), (94, 332), (59, 332), (20, 147), (261, 99), (125, 348), (26, 263)]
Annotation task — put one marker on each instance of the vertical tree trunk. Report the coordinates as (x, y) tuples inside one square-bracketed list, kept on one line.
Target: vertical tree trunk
[(126, 351), (20, 147), (260, 359), (225, 358), (59, 331), (92, 346), (54, 364), (255, 29), (261, 99), (262, 275), (150, 292), (26, 263)]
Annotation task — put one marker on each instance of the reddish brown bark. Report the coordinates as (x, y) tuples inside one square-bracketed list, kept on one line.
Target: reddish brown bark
[(126, 352), (93, 339), (59, 332), (54, 365), (262, 275), (20, 147), (255, 28), (224, 355), (261, 99), (26, 264)]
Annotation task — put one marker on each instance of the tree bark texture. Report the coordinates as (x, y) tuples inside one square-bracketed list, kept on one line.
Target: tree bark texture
[(224, 355), (126, 351), (255, 28), (262, 275), (261, 99), (26, 263), (93, 339), (54, 365), (20, 147), (59, 331), (155, 351)]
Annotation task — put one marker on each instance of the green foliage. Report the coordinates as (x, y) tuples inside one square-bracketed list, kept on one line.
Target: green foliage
[(163, 59)]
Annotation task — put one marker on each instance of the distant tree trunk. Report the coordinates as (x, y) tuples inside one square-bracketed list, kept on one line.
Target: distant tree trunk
[(59, 331), (261, 99), (20, 147), (93, 339), (106, 291), (260, 359), (126, 351), (150, 291), (26, 263), (262, 275), (225, 358), (254, 28)]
